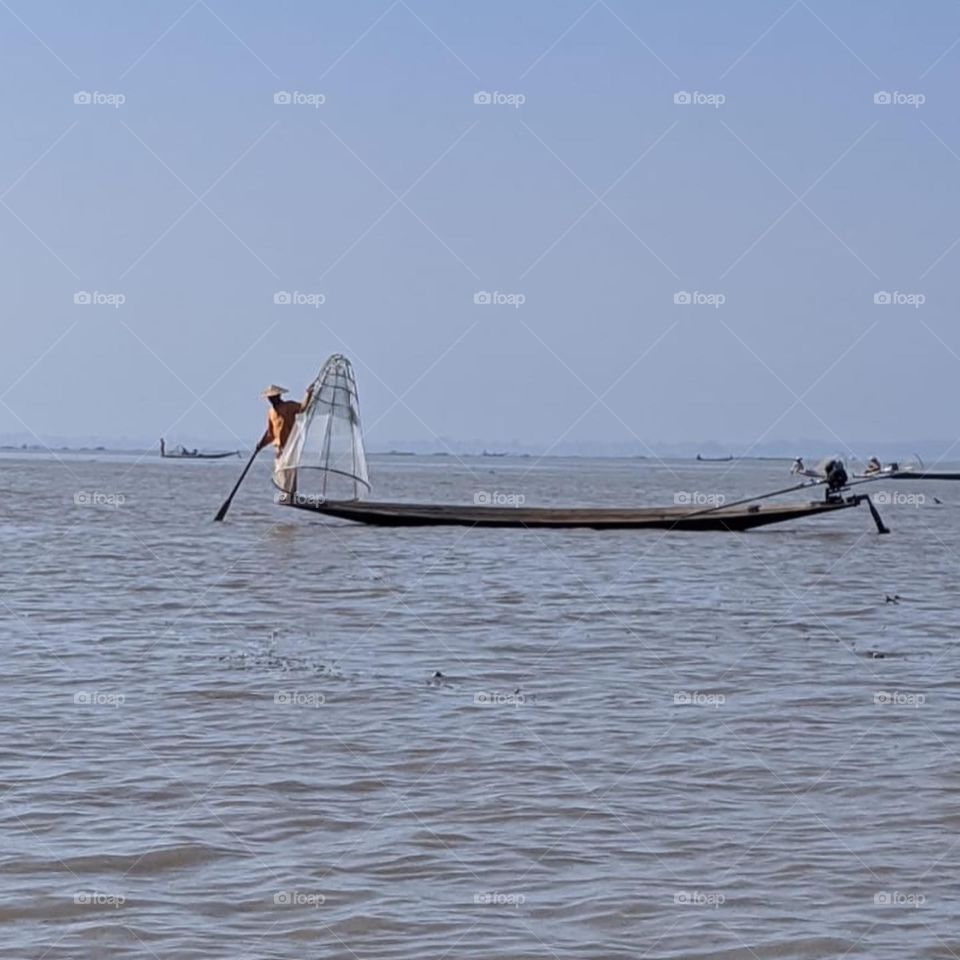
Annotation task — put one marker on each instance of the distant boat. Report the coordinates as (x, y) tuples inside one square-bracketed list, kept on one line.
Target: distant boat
[(182, 453), (911, 471), (714, 459)]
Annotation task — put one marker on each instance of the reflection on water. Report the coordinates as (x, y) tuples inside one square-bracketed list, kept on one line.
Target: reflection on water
[(287, 737)]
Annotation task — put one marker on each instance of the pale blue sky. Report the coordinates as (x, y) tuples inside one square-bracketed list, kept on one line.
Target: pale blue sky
[(199, 198)]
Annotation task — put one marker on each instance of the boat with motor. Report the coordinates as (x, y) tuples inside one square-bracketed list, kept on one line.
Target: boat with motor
[(323, 469)]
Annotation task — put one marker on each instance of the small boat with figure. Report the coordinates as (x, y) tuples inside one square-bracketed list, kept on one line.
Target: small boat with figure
[(322, 468), (182, 453), (911, 471)]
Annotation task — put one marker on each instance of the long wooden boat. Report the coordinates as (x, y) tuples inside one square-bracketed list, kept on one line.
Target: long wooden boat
[(734, 518), (324, 453), (703, 459)]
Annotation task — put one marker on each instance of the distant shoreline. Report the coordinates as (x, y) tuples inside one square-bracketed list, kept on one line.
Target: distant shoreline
[(37, 449)]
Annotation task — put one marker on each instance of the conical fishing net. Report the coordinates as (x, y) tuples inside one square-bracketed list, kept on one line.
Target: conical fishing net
[(324, 459)]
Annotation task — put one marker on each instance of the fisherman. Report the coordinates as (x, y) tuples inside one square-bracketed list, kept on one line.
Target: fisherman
[(798, 466), (280, 419), (835, 473), (873, 466)]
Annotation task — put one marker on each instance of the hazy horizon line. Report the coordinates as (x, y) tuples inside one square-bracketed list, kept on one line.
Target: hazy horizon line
[(810, 448)]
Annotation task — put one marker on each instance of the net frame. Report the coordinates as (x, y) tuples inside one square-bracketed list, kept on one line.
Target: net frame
[(334, 401)]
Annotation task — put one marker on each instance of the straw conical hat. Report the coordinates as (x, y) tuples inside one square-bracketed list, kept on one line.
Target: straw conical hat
[(274, 391)]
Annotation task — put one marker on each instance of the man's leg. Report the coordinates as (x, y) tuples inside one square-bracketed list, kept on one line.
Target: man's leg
[(286, 480)]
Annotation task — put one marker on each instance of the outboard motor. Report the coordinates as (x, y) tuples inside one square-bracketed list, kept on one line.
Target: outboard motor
[(836, 475)]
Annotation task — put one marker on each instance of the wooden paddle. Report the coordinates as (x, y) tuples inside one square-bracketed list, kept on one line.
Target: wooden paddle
[(763, 496), (222, 512)]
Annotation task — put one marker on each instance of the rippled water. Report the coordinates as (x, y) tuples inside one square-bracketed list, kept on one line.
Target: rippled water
[(227, 740)]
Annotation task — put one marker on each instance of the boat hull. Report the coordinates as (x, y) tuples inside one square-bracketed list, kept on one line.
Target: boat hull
[(654, 518), (923, 475), (909, 475), (198, 456)]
